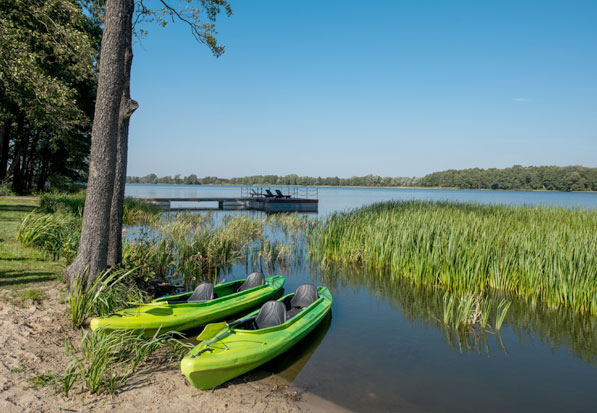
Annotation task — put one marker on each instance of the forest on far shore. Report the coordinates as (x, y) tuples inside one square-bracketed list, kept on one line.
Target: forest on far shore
[(549, 178)]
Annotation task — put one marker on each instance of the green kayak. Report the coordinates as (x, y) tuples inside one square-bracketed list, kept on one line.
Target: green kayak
[(194, 309), (229, 350)]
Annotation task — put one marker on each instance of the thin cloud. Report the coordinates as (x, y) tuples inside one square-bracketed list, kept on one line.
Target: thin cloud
[(521, 99)]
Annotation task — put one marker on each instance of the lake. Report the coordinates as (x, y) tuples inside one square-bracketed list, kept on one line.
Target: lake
[(384, 349)]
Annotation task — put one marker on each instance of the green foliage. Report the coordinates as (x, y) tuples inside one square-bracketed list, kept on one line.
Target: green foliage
[(106, 361), (545, 255), (200, 20), (135, 211), (41, 380), (501, 313), (21, 267), (48, 80), (65, 202), (368, 180), (469, 311), (138, 212), (56, 234), (551, 178), (108, 293), (191, 245)]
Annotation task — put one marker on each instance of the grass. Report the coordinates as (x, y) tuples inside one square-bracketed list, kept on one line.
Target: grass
[(545, 255), (108, 293), (56, 233), (105, 361), (55, 227), (136, 212), (20, 267), (41, 380)]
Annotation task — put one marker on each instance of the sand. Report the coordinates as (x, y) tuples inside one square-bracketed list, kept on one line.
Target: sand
[(32, 343)]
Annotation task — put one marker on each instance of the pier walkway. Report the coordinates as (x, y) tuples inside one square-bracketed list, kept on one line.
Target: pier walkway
[(268, 199)]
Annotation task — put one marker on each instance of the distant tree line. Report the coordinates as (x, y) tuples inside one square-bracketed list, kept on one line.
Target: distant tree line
[(550, 178), (368, 180)]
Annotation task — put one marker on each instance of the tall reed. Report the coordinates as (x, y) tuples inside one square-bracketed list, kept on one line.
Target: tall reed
[(108, 293), (191, 246), (546, 255)]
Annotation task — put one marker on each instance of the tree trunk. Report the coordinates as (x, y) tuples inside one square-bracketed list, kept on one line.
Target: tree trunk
[(4, 144), (43, 171), (28, 159), (127, 107), (15, 169), (93, 248)]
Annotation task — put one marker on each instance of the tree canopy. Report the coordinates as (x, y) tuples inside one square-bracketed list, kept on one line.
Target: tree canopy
[(48, 81)]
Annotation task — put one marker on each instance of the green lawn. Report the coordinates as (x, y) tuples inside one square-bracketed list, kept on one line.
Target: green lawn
[(22, 270)]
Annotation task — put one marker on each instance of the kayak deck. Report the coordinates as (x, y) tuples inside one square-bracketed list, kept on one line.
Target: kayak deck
[(173, 313), (233, 351)]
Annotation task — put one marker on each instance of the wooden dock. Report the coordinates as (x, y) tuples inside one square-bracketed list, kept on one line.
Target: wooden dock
[(255, 203)]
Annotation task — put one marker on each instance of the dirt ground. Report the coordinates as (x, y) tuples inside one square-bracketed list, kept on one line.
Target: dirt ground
[(32, 343)]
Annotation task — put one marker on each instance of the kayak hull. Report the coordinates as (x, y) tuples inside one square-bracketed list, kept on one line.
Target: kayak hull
[(160, 316), (236, 351)]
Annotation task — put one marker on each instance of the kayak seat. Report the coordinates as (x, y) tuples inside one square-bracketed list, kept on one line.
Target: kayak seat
[(253, 280), (203, 292), (271, 314), (304, 296)]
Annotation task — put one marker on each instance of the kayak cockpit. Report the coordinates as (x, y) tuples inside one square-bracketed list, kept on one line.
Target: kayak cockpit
[(274, 313), (206, 291)]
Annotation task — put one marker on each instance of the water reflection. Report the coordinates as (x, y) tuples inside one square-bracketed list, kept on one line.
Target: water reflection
[(554, 329), (389, 350), (290, 364)]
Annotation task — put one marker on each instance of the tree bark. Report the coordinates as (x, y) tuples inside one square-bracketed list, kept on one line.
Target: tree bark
[(4, 144), (21, 145), (127, 107), (93, 248)]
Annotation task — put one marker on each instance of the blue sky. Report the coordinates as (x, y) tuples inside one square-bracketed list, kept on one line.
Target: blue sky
[(393, 88)]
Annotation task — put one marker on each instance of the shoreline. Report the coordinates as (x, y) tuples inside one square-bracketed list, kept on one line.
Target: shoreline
[(378, 187), (34, 328), (32, 351)]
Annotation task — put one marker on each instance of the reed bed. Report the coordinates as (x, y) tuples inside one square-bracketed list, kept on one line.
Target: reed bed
[(546, 255), (191, 246), (135, 211), (556, 330)]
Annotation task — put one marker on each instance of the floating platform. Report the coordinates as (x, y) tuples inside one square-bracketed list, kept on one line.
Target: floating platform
[(256, 202)]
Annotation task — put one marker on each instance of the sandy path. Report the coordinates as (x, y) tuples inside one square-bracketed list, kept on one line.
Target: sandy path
[(32, 343)]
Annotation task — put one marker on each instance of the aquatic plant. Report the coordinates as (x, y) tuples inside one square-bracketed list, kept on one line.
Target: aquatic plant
[(288, 223), (556, 330), (545, 255), (109, 292), (191, 246)]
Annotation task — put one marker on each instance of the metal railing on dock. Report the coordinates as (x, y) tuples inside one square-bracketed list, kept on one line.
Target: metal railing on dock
[(274, 191)]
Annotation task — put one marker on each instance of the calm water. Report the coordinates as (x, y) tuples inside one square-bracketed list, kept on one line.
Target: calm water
[(383, 348)]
